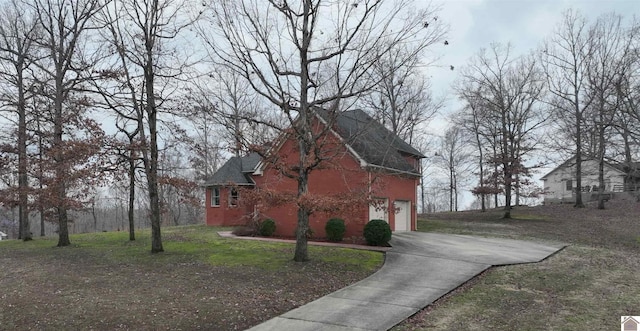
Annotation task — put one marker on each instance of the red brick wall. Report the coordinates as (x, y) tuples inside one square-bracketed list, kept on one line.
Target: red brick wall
[(342, 174), (225, 215)]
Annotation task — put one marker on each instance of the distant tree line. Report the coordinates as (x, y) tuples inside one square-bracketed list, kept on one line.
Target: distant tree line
[(576, 95)]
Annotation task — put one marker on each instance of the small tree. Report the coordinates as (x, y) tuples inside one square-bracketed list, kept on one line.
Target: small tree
[(63, 68), (509, 92)]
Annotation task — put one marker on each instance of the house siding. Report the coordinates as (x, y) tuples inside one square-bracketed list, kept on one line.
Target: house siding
[(555, 183)]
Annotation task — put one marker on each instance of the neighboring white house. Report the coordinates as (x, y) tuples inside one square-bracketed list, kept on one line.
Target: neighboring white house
[(3, 235), (560, 183)]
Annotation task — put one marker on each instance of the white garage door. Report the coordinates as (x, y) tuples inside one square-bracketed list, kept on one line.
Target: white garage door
[(379, 211), (403, 215)]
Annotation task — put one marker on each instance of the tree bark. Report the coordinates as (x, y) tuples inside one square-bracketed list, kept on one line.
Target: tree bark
[(301, 253), (152, 164), (132, 193), (579, 203), (23, 181), (601, 150), (59, 159)]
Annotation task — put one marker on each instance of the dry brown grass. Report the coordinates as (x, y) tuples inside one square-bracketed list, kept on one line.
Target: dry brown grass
[(589, 285), (202, 281)]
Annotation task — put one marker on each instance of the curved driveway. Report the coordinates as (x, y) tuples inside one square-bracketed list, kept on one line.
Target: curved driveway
[(420, 268)]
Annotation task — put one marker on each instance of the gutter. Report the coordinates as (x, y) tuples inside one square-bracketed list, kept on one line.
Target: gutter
[(394, 170)]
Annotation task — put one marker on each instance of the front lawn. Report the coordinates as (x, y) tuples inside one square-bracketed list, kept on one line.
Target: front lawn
[(202, 281)]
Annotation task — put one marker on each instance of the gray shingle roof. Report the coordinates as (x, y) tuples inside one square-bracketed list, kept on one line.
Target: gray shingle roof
[(372, 141), (236, 170)]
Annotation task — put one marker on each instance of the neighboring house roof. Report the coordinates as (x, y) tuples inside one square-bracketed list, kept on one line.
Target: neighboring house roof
[(571, 162), (236, 170)]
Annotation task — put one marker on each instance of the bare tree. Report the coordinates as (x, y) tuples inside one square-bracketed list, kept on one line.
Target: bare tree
[(141, 33), (454, 157), (628, 96), (18, 29), (402, 100), (65, 64), (509, 91), (609, 45), (566, 60), (312, 54), (480, 132)]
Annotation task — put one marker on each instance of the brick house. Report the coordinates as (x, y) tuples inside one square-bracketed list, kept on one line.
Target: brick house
[(366, 160)]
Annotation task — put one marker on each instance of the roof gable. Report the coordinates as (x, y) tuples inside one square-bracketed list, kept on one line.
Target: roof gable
[(236, 170), (372, 141)]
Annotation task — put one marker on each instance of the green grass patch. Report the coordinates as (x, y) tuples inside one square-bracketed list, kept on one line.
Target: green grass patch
[(184, 244), (350, 258)]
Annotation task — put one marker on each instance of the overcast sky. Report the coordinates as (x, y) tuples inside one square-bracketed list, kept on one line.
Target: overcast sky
[(524, 23)]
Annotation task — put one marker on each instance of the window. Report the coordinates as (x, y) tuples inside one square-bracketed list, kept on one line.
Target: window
[(233, 197), (569, 185), (215, 197)]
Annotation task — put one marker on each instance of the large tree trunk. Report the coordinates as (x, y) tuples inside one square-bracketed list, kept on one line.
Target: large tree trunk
[(60, 168), (495, 171), (450, 186), (40, 176), (517, 188), (132, 193), (23, 183), (151, 164), (301, 253), (601, 149), (579, 203), (152, 177), (483, 196)]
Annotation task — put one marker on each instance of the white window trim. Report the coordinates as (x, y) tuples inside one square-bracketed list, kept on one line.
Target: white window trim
[(213, 195), (231, 199)]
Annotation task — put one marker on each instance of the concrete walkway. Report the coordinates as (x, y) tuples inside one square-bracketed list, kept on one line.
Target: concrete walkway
[(420, 268)]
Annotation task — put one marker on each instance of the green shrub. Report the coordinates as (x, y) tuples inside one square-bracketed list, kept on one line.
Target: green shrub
[(377, 233), (335, 229), (267, 227)]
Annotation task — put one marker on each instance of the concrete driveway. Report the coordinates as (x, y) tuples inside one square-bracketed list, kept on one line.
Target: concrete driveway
[(420, 268)]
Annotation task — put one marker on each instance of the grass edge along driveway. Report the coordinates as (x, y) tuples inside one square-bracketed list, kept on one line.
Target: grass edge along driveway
[(588, 285)]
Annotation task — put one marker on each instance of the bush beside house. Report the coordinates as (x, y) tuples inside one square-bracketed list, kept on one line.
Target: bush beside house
[(377, 233), (335, 229)]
